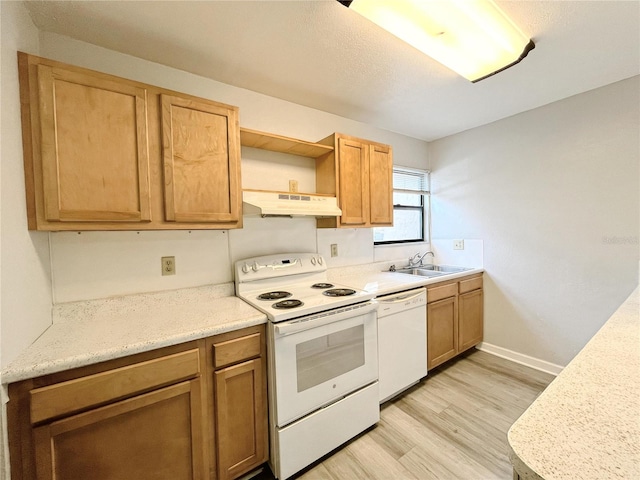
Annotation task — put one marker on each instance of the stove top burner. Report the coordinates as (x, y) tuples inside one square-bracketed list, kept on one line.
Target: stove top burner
[(277, 295), (322, 285), (339, 292), (286, 304)]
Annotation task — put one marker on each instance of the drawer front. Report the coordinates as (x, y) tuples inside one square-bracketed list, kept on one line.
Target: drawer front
[(471, 284), (79, 394), (444, 291), (236, 350)]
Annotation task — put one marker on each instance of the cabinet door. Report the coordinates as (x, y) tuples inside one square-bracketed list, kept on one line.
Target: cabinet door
[(442, 331), (93, 144), (156, 435), (381, 185), (241, 418), (201, 152), (470, 319), (354, 182)]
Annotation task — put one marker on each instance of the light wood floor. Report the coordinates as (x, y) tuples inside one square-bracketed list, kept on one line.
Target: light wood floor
[(452, 425)]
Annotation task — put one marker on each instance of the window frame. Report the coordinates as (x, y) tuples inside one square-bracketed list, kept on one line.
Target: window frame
[(424, 207)]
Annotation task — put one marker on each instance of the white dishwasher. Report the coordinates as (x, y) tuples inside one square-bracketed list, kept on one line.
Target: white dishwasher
[(402, 341)]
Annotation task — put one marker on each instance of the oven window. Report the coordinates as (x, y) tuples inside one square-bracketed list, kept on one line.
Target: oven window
[(323, 358)]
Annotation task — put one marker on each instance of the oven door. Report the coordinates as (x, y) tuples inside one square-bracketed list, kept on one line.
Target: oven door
[(321, 358)]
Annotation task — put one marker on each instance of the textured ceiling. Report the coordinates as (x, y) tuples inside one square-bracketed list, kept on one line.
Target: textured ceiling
[(323, 55)]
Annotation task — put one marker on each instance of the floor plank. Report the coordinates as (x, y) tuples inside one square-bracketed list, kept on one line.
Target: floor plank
[(452, 425)]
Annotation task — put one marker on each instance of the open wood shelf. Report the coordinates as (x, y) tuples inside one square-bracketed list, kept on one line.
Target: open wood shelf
[(278, 143)]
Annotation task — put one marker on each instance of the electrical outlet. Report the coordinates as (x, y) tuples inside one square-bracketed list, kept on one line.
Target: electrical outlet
[(293, 186), (168, 265), (458, 244), (334, 249)]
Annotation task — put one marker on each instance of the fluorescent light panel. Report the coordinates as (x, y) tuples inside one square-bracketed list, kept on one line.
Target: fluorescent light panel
[(471, 37)]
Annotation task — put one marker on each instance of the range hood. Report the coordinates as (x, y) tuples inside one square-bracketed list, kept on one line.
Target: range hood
[(272, 204)]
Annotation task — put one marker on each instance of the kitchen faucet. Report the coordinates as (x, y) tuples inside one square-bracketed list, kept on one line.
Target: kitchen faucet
[(415, 263)]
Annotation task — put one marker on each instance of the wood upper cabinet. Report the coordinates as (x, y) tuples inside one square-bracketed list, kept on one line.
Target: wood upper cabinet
[(91, 134), (360, 173), (201, 153), (107, 153), (455, 312), (380, 185), (354, 182)]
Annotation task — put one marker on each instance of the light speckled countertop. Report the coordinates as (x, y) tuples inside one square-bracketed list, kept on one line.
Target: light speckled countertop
[(586, 424), (89, 332)]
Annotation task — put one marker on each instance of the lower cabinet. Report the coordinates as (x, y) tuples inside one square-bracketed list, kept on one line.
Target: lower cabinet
[(442, 331), (455, 313), (156, 435), (470, 319), (240, 402), (170, 414)]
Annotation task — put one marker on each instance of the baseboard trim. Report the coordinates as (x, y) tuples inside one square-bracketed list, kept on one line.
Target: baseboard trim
[(520, 358)]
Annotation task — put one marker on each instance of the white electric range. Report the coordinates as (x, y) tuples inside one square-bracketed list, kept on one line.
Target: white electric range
[(322, 353)]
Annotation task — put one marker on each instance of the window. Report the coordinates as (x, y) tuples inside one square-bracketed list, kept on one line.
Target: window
[(410, 208)]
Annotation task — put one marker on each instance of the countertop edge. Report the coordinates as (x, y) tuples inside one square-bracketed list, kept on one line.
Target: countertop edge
[(524, 471), (556, 394)]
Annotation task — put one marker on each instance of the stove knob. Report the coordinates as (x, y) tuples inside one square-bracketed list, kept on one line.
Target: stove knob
[(319, 260), (313, 261), (245, 268), (255, 267)]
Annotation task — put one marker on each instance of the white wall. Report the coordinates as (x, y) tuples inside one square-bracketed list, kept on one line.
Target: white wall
[(520, 186), (99, 264), (26, 287), (553, 194), (25, 291)]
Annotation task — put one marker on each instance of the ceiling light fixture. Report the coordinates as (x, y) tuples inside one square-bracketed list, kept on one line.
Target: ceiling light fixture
[(471, 37)]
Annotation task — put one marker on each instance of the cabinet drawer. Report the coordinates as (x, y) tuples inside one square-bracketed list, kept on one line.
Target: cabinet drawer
[(438, 293), (79, 394), (236, 350), (471, 284)]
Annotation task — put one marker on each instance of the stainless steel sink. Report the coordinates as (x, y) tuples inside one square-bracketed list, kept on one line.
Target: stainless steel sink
[(444, 268), (420, 271), (431, 270)]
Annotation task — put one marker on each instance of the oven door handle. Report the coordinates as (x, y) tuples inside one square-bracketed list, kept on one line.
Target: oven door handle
[(324, 318)]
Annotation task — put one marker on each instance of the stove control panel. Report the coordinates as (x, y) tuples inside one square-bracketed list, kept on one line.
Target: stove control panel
[(273, 266)]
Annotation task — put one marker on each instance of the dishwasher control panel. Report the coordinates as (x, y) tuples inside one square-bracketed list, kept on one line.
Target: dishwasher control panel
[(396, 302)]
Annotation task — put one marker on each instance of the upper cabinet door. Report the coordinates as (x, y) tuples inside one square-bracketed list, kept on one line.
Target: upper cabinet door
[(201, 152), (354, 182), (93, 143), (381, 185)]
